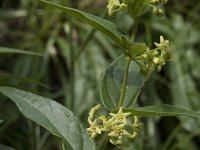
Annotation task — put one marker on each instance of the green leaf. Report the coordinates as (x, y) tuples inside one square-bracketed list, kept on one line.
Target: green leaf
[(1, 121), (105, 26), (17, 51), (5, 147), (111, 84), (133, 49), (161, 110), (138, 7), (137, 49), (59, 120)]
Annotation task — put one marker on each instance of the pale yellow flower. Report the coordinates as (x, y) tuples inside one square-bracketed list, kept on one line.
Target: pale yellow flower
[(117, 134), (118, 130), (94, 128), (107, 124), (120, 116), (163, 45)]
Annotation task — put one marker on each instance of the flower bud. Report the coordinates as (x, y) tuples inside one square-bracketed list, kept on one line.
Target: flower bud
[(156, 60), (158, 12)]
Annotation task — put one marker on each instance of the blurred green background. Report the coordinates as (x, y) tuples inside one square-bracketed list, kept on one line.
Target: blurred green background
[(74, 57)]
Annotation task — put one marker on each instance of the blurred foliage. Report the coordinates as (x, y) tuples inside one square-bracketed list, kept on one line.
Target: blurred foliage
[(74, 57)]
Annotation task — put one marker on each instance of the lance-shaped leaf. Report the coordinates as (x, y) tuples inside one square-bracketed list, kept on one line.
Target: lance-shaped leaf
[(161, 110), (59, 120), (105, 26), (112, 80), (17, 51)]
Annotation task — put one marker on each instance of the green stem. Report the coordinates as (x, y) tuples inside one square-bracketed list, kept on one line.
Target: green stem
[(123, 90), (137, 21), (127, 64)]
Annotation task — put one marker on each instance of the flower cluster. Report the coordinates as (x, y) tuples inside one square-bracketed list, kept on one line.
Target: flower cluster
[(155, 58), (135, 7), (120, 129), (154, 4), (114, 6)]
